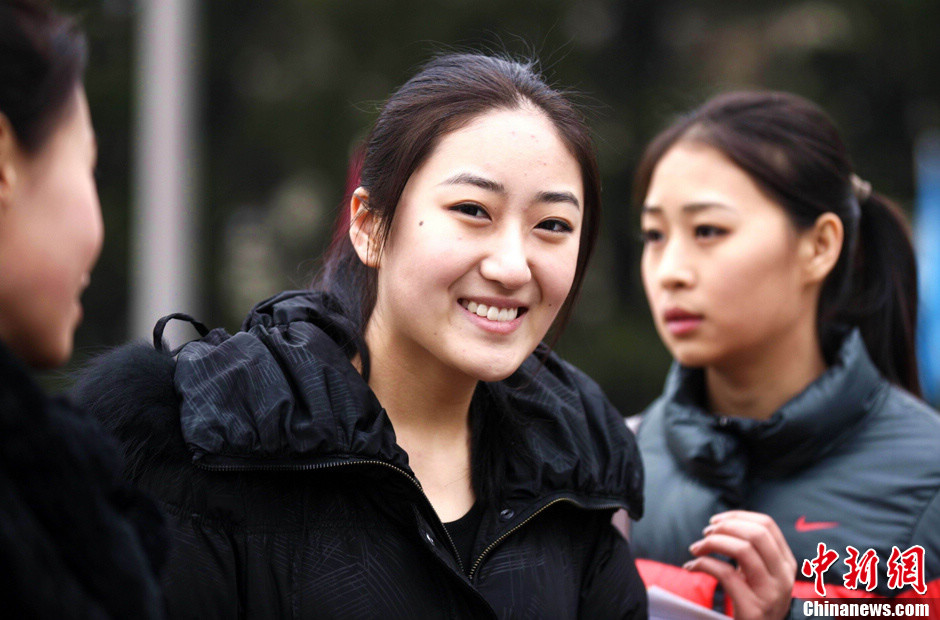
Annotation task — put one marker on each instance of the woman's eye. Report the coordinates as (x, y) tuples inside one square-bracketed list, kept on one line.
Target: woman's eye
[(650, 235), (706, 231), (555, 226), (468, 208)]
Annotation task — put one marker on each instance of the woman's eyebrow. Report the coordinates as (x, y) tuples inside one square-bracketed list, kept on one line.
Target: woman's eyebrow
[(695, 207), (692, 207), (468, 178), (559, 197)]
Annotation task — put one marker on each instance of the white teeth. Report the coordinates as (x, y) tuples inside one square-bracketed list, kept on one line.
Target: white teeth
[(491, 313)]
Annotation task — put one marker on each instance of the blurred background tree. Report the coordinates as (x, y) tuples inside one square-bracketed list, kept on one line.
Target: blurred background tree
[(288, 88)]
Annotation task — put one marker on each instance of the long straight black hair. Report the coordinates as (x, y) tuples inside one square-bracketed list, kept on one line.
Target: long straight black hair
[(793, 151)]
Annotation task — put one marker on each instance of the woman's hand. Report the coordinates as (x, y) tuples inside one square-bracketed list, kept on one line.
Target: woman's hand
[(761, 585)]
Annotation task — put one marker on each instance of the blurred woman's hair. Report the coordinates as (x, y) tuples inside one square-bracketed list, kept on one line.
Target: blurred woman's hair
[(446, 94), (42, 59), (794, 153)]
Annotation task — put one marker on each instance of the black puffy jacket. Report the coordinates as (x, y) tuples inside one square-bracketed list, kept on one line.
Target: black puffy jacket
[(76, 541), (850, 461), (289, 496)]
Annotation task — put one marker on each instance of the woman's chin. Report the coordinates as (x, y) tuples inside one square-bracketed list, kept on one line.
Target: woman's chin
[(49, 357), (493, 370), (691, 356)]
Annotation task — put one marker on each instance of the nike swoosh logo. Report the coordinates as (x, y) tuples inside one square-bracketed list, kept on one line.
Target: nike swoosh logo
[(802, 525)]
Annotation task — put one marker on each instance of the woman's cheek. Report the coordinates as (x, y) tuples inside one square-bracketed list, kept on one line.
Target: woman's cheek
[(558, 276)]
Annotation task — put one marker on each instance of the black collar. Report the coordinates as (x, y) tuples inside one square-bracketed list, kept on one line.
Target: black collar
[(284, 392)]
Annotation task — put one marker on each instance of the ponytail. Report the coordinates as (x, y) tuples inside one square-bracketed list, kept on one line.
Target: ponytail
[(881, 294)]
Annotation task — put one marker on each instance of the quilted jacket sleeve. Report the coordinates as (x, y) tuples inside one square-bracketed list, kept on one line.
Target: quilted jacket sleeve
[(612, 588)]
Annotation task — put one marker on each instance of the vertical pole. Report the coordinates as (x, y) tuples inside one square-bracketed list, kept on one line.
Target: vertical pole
[(164, 220), (927, 240)]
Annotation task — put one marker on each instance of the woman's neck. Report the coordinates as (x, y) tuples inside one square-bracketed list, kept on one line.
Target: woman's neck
[(757, 384), (419, 393), (419, 399), (428, 405)]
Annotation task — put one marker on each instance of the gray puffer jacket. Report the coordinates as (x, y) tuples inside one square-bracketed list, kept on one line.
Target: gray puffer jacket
[(850, 461)]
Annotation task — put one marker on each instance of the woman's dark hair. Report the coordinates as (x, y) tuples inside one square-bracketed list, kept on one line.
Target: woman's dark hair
[(42, 59), (793, 151), (445, 95)]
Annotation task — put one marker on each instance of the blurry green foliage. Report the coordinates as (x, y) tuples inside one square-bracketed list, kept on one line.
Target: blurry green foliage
[(288, 87)]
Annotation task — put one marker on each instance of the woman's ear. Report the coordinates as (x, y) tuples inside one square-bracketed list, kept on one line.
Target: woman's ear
[(363, 228), (8, 154), (820, 247)]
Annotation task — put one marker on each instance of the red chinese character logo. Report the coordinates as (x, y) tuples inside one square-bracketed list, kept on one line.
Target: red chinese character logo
[(907, 569), (862, 569), (818, 566)]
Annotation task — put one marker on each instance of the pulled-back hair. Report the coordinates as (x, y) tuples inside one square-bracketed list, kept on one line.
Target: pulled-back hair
[(794, 153), (446, 94), (42, 59)]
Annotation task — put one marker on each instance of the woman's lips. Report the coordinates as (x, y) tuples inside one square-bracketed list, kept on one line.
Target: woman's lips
[(502, 319), (681, 322)]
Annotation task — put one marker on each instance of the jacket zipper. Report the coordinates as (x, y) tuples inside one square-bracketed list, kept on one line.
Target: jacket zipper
[(417, 485), (313, 466), (496, 542)]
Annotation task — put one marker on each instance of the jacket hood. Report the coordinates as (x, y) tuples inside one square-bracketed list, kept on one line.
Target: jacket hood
[(279, 390), (283, 392), (722, 449), (578, 439)]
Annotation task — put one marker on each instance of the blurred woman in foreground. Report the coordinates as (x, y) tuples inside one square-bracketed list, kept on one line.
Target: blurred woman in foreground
[(785, 288), (74, 540)]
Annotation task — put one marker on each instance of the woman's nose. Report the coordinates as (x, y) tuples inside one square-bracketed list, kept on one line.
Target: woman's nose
[(506, 261), (675, 269)]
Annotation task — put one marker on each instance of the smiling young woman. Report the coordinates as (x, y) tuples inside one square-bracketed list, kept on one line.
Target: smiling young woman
[(786, 291), (480, 222), (75, 541), (389, 444)]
